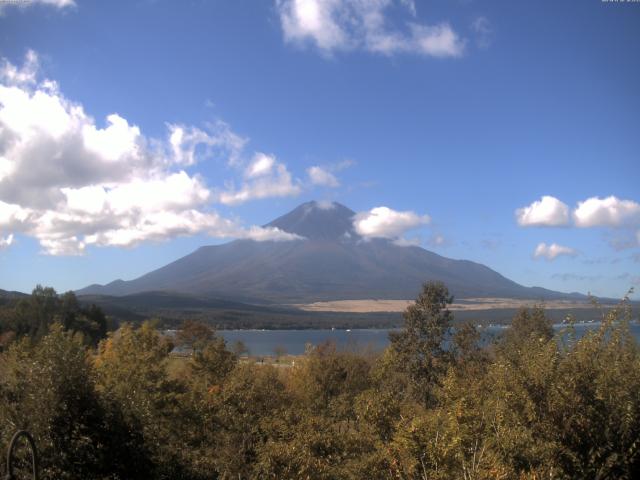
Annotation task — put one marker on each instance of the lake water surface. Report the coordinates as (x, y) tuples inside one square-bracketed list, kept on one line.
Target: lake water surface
[(264, 342)]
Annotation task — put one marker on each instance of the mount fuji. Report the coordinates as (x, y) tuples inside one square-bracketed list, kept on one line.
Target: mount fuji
[(329, 261)]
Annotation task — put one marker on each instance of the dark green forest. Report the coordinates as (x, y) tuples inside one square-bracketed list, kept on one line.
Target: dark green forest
[(107, 403)]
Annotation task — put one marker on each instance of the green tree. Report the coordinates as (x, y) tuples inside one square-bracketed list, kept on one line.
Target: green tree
[(91, 322), (33, 316), (419, 347)]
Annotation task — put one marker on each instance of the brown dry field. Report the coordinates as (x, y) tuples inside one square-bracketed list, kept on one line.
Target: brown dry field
[(468, 304)]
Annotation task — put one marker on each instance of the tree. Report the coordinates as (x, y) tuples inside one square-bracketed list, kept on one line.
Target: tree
[(419, 347), (530, 322), (132, 375), (212, 362), (91, 321), (194, 335), (47, 388), (328, 379), (246, 404), (33, 316)]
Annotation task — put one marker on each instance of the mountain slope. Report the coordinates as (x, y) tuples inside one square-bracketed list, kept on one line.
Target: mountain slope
[(332, 263), (5, 294)]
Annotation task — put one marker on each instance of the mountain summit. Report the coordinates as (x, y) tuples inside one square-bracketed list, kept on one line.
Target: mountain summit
[(332, 262), (318, 221)]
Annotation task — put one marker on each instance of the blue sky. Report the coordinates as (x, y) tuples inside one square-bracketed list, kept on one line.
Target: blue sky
[(501, 132)]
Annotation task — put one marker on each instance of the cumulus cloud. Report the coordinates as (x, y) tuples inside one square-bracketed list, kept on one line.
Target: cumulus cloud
[(264, 177), (607, 212), (610, 212), (548, 211), (71, 183), (551, 252), (384, 222), (26, 74), (333, 25), (323, 177)]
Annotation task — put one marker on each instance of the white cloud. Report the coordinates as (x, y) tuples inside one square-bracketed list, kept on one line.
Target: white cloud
[(6, 241), (550, 252), (161, 224), (189, 144), (610, 212), (262, 165), (112, 142), (436, 41), (70, 183), (548, 211), (56, 3), (12, 215), (264, 178), (333, 25), (261, 234), (314, 19), (323, 177), (61, 4), (607, 212), (387, 223), (12, 75)]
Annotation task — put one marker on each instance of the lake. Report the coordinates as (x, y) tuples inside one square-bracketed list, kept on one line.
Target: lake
[(264, 342)]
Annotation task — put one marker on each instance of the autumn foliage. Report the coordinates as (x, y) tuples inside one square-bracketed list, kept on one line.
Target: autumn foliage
[(436, 404)]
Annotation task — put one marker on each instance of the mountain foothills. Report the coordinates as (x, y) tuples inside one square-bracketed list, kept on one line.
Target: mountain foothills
[(330, 261)]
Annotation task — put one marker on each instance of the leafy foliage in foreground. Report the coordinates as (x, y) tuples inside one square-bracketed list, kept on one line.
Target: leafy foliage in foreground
[(432, 406)]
